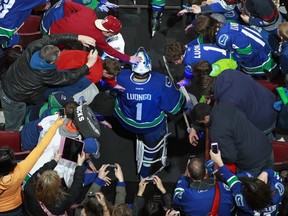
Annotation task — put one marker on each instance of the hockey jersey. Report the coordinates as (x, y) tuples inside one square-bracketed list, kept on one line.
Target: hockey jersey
[(13, 13), (53, 14), (230, 11), (237, 190), (142, 106), (208, 52), (247, 47), (284, 57), (196, 201)]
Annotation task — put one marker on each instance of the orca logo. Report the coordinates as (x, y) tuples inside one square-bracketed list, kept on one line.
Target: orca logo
[(280, 188), (239, 200), (229, 14), (168, 82), (226, 187), (223, 39)]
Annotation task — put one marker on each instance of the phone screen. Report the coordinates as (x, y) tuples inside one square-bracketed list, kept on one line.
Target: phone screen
[(62, 112), (71, 149), (214, 147)]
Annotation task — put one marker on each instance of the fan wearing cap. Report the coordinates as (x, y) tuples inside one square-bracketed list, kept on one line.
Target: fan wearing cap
[(141, 107), (78, 18)]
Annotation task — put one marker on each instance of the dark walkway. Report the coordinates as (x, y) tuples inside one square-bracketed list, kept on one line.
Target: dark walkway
[(118, 145)]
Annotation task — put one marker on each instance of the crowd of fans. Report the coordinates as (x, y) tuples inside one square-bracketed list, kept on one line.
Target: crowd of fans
[(59, 89)]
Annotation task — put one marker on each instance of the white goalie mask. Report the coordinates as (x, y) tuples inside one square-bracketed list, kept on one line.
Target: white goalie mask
[(144, 66)]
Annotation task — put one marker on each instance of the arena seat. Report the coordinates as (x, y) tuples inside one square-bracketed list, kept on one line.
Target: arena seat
[(30, 31), (280, 155), (13, 140)]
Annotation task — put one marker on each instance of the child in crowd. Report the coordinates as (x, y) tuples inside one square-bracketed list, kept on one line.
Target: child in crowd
[(283, 48)]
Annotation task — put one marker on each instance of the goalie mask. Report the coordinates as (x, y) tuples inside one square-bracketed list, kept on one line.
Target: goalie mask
[(144, 66)]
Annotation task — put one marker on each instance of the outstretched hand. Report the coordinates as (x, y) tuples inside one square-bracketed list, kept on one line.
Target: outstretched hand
[(119, 87), (142, 186), (87, 41), (183, 11), (81, 158), (193, 137), (92, 58), (119, 173), (102, 174), (159, 184), (184, 82), (57, 155), (216, 158), (135, 59)]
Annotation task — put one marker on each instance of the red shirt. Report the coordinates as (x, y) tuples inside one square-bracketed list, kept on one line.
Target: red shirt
[(80, 20), (70, 59)]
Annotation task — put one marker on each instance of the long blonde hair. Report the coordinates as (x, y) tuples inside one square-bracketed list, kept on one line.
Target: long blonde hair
[(48, 187)]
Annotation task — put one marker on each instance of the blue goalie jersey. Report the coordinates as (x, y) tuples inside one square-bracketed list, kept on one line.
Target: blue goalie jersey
[(142, 106)]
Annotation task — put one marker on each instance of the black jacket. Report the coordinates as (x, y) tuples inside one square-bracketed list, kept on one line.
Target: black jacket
[(239, 141), (31, 204), (23, 84), (254, 100)]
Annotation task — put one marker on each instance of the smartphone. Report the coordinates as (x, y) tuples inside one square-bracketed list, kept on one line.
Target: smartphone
[(214, 147), (62, 112), (112, 167)]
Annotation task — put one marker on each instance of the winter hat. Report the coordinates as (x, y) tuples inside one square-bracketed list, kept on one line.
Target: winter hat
[(109, 24), (58, 99), (92, 147)]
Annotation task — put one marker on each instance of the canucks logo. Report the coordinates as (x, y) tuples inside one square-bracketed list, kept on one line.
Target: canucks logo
[(280, 188), (239, 200), (223, 39), (229, 14), (168, 82)]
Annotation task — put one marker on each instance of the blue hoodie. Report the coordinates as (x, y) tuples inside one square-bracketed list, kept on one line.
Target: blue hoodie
[(36, 62)]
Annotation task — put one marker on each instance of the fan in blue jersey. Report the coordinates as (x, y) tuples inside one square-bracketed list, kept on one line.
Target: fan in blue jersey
[(195, 193), (247, 46), (177, 53), (54, 13), (13, 14), (254, 194), (141, 107)]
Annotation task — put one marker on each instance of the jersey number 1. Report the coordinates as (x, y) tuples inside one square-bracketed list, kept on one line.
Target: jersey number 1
[(139, 111)]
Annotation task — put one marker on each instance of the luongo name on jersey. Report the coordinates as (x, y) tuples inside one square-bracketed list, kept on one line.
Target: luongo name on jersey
[(142, 106)]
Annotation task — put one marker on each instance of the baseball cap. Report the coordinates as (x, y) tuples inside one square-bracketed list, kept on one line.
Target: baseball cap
[(109, 24), (92, 147), (58, 99)]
